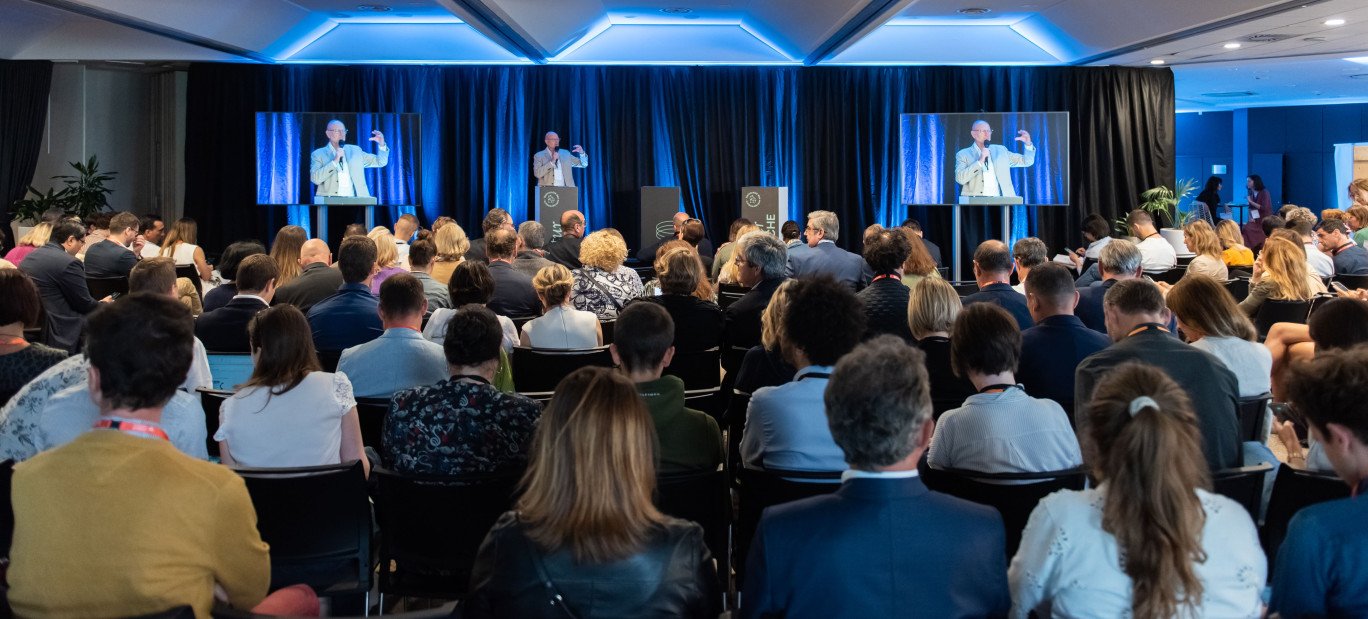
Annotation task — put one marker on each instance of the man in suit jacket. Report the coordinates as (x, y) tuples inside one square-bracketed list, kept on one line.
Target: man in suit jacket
[(317, 281), (877, 530), (531, 258), (760, 263), (823, 256), (496, 219), (552, 166), (1053, 348), (400, 358), (1136, 315), (340, 170), (513, 292), (61, 282), (1119, 260), (565, 248), (351, 316), (225, 329), (986, 170), (993, 271), (119, 252)]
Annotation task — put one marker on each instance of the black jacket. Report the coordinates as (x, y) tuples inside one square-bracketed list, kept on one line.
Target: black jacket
[(477, 251), (109, 259), (697, 323), (673, 576), (61, 282), (565, 250), (1005, 297), (318, 281), (225, 329), (513, 292), (742, 317), (885, 307)]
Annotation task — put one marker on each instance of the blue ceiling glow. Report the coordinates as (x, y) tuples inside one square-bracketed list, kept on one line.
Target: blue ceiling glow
[(1000, 45), (407, 43), (662, 44)]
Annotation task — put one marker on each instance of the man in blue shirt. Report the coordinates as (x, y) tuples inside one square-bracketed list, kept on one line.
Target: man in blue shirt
[(352, 315), (1321, 568), (1335, 237), (400, 358)]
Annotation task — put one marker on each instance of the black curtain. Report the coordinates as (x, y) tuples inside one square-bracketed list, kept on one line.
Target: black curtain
[(24, 86), (828, 133)]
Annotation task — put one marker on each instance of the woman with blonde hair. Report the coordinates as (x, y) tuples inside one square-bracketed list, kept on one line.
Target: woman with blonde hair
[(1151, 541), (561, 326), (179, 244), (386, 257), (585, 539), (600, 287), (1280, 273), (37, 237), (452, 244), (285, 251), (1202, 240), (919, 263), (932, 307), (1210, 320), (727, 272), (698, 323), (1235, 254), (764, 365)]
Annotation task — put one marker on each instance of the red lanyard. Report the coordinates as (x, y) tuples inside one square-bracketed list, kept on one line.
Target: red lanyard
[(889, 276), (132, 427), (1337, 250), (17, 340), (1146, 328)]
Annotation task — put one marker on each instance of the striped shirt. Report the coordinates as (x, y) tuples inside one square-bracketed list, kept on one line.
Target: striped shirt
[(1005, 432)]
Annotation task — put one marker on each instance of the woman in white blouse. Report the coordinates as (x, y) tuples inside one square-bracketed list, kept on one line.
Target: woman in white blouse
[(1150, 541), (180, 246), (1211, 320), (561, 326), (289, 413)]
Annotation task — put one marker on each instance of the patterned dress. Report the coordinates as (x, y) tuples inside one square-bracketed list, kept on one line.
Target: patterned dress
[(456, 427), (603, 293)]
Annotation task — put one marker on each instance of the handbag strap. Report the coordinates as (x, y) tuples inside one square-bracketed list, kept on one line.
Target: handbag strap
[(592, 280), (553, 595)]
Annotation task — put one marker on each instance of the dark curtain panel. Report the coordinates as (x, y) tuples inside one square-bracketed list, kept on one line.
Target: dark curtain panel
[(24, 86), (830, 134)]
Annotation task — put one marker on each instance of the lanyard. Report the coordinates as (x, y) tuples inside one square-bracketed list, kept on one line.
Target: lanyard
[(998, 388), (1147, 327), (478, 379), (133, 427), (1339, 249), (17, 340), (815, 375), (889, 276)]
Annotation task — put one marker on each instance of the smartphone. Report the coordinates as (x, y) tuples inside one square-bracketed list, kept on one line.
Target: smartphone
[(114, 295), (1338, 286)]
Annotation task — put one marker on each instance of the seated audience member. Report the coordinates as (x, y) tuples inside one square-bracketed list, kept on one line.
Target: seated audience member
[(20, 360), (462, 423), (1136, 316), (1319, 567), (1052, 349), (791, 234), (1268, 225), (470, 283), (180, 246), (1027, 254), (1000, 429), (764, 364), (97, 229), (153, 232), (740, 227), (531, 258), (202, 542), (386, 258), (560, 326), (696, 236), (290, 412), (1234, 253), (785, 425), (885, 298), (919, 264), (652, 287), (350, 316), (932, 249), (225, 329), (587, 522), (1280, 273), (1202, 241), (117, 253), (452, 245), (404, 230), (1335, 238), (1119, 261), (565, 249), (1144, 445), (61, 282), (287, 249), (1357, 219), (931, 312), (421, 254), (400, 358), (1211, 321), (227, 268), (37, 237), (1156, 253), (599, 287), (760, 262), (993, 272), (866, 560), (823, 257), (1097, 234), (317, 280), (513, 293), (689, 440), (697, 324), (1303, 222), (495, 219)]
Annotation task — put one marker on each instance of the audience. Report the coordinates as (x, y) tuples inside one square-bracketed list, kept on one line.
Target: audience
[(931, 312), (1202, 241), (1280, 274), (561, 326), (531, 258), (116, 255), (920, 263), (1000, 429), (317, 280), (1097, 234), (1266, 225), (785, 426), (287, 251), (885, 299), (290, 412), (1335, 238), (351, 315), (1357, 218), (386, 258), (600, 288), (587, 522), (421, 254), (400, 358), (993, 272), (1338, 324), (61, 282), (153, 232), (823, 257), (37, 237), (696, 236), (697, 324), (495, 219), (513, 293), (726, 272), (227, 268), (1210, 320), (404, 228), (20, 308), (1027, 254), (791, 234), (452, 245), (565, 249), (688, 440), (932, 249), (180, 246), (1303, 222), (225, 329), (1156, 253), (763, 364), (1053, 348), (1136, 316), (1150, 541), (470, 283), (97, 229), (462, 423), (1119, 261), (1235, 254)]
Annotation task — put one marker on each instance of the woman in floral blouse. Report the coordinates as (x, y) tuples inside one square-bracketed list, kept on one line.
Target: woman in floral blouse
[(600, 286)]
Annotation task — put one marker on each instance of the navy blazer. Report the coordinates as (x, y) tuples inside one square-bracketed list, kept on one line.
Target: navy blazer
[(220, 296), (1089, 308), (826, 258), (1050, 352), (109, 259), (878, 548), (346, 319), (934, 250), (61, 282), (1005, 297), (741, 320), (225, 329), (513, 292)]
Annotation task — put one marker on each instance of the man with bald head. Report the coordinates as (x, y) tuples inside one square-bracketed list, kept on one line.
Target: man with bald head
[(552, 166), (339, 169), (317, 281), (565, 248), (985, 169), (993, 266)]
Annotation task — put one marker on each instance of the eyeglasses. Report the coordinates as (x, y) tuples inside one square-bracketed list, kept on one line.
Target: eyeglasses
[(980, 131)]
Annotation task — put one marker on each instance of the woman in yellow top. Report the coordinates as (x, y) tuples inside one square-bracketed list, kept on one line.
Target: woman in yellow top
[(452, 244), (1235, 254)]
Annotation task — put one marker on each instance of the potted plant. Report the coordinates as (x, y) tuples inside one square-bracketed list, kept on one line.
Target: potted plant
[(81, 195), (1162, 204)]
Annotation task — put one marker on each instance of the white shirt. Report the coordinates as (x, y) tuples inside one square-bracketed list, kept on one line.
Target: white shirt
[(301, 427), (1251, 362), (1321, 265), (558, 175), (850, 474), (1156, 254), (1095, 248), (990, 181), (436, 328), (344, 181), (563, 328), (150, 250)]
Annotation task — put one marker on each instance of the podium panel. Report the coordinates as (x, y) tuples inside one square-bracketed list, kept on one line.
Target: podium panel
[(766, 207), (551, 203), (658, 208), (323, 202)]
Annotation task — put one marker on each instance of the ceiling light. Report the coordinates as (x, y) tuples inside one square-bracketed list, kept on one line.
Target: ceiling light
[(374, 8), (1157, 61), (974, 11), (1358, 59), (1232, 46), (676, 10), (1334, 22)]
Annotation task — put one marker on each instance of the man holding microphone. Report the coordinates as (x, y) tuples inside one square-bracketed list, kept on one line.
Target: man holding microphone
[(984, 169), (552, 166), (338, 169)]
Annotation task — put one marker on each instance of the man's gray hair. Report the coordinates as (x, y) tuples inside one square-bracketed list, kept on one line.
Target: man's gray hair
[(827, 222), (533, 234), (762, 249), (877, 399), (1119, 257), (1030, 252), (1301, 220)]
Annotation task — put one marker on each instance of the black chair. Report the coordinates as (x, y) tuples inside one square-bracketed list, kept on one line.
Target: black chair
[(701, 497), (699, 369), (1318, 301), (441, 612), (538, 370), (431, 527), (1014, 501), (191, 272), (1244, 484), (520, 321), (1252, 412), (329, 359), (1294, 489), (317, 520), (734, 422), (1275, 311), (1240, 272), (183, 611), (1238, 287), (371, 413), (1170, 276), (965, 289), (725, 299), (1352, 282), (211, 400), (758, 489), (101, 287), (606, 326)]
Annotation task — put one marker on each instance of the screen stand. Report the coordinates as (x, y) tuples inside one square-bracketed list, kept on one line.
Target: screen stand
[(323, 202), (1006, 202)]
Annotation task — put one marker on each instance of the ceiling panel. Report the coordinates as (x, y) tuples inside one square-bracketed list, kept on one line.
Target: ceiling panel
[(405, 43), (945, 45), (675, 45)]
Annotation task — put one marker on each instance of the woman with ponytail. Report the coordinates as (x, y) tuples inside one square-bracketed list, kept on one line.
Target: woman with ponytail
[(1151, 541)]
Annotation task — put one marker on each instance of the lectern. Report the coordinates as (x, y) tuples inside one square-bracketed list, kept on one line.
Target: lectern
[(766, 207), (1006, 202), (551, 203), (323, 202), (658, 208)]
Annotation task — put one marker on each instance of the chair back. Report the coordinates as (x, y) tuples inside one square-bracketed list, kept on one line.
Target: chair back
[(734, 422), (759, 489), (1274, 311), (101, 287), (699, 369), (445, 611), (211, 400), (1253, 409), (229, 369), (431, 527), (701, 497), (538, 370), (317, 520), (191, 272), (1318, 301), (6, 509), (1013, 495), (1170, 276), (519, 321), (329, 359), (1294, 489), (730, 293), (965, 289), (371, 413), (1352, 282), (1244, 485), (1238, 287)]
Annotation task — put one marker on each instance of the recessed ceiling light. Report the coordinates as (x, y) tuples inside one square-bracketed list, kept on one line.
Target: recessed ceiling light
[(974, 11), (676, 10), (1157, 61), (1232, 46), (1358, 59), (1334, 22)]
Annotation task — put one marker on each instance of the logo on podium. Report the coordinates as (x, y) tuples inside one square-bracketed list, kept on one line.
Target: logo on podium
[(753, 199), (664, 229), (551, 199)]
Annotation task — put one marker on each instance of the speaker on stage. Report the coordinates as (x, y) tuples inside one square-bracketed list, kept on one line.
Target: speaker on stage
[(658, 208), (766, 207), (551, 203)]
